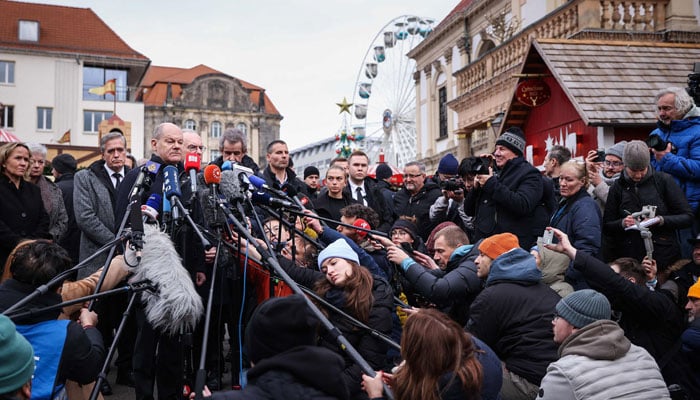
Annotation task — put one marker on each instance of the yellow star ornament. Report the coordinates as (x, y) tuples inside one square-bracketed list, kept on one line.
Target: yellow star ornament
[(344, 106)]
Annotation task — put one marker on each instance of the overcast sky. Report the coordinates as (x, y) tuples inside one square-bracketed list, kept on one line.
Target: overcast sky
[(305, 53)]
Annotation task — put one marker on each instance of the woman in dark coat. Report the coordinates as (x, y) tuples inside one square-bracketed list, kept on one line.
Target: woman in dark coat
[(353, 289), (22, 215)]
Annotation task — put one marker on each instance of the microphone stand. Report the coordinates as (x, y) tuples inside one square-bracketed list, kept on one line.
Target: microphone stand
[(43, 289), (201, 375), (324, 219), (343, 342), (177, 203)]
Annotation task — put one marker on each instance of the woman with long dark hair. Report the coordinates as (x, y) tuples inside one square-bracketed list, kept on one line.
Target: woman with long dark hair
[(352, 288), (440, 362)]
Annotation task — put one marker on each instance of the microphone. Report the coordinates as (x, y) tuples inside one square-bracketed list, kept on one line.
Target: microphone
[(259, 183), (209, 196), (265, 199), (243, 174), (149, 211), (176, 306), (230, 187), (171, 188), (136, 242), (227, 166), (145, 178), (192, 164), (212, 176)]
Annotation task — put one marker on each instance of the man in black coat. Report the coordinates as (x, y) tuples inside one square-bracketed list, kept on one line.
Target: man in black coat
[(278, 174), (365, 190), (232, 146), (416, 197), (511, 197), (63, 167)]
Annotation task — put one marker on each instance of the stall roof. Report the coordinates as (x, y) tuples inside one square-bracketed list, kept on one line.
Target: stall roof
[(612, 82)]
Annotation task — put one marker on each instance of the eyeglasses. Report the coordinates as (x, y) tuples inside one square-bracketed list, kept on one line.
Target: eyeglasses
[(194, 148), (398, 232), (612, 163), (406, 176)]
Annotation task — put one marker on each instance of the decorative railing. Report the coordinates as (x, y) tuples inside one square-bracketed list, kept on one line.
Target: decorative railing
[(578, 15)]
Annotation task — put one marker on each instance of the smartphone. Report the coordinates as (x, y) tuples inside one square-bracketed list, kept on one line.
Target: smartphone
[(405, 246), (547, 236), (600, 156)]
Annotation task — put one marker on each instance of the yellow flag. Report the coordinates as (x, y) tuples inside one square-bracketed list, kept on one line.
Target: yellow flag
[(110, 87)]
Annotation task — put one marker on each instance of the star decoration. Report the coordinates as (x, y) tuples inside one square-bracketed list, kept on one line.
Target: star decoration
[(344, 106)]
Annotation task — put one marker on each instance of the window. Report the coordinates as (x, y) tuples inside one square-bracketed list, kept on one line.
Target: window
[(92, 119), (442, 99), (7, 117), (29, 31), (242, 127), (7, 72), (214, 154), (97, 76), (43, 118), (216, 129), (190, 124)]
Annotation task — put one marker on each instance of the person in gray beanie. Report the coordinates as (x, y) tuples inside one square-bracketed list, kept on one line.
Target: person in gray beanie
[(602, 174), (640, 185), (16, 362), (596, 360), (512, 196)]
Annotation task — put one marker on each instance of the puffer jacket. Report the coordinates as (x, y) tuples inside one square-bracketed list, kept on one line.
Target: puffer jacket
[(598, 363), (685, 164), (513, 315), (452, 290)]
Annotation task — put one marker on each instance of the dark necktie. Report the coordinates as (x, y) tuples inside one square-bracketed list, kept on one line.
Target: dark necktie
[(118, 177), (358, 195)]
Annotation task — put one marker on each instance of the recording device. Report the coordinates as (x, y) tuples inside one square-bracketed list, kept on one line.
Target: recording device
[(599, 156), (262, 198), (176, 306), (171, 188), (548, 236), (149, 211), (136, 242), (657, 143), (209, 196), (145, 178), (407, 248), (481, 165), (452, 184), (230, 186), (192, 164)]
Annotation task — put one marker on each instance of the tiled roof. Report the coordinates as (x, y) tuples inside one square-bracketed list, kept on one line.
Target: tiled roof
[(615, 82), (86, 32), (157, 78), (463, 4)]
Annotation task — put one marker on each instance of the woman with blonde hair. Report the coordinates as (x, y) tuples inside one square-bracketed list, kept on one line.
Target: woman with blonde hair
[(578, 216), (440, 362), (22, 215)]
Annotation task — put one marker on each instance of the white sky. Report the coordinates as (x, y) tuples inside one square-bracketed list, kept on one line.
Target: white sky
[(305, 53)]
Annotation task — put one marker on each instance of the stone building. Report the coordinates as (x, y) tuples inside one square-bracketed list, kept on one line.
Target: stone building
[(469, 67), (209, 101)]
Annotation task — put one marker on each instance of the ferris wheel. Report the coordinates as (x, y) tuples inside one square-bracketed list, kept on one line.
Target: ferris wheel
[(384, 96)]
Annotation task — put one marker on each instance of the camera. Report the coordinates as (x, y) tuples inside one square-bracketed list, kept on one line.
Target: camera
[(657, 143), (600, 156), (452, 184), (481, 165)]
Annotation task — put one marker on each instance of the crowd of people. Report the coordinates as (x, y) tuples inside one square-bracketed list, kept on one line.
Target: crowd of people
[(485, 279)]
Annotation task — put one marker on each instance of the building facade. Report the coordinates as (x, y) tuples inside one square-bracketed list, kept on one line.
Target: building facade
[(209, 101), (468, 68), (50, 57)]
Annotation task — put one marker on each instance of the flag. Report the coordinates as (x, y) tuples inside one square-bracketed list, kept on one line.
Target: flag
[(65, 138), (110, 87)]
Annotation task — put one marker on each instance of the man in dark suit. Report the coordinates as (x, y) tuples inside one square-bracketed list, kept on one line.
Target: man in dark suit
[(365, 190)]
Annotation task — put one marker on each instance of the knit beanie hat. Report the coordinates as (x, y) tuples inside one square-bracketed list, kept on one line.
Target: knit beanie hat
[(694, 290), (383, 171), (583, 307), (448, 165), (279, 324), (338, 249), (64, 163), (16, 357), (406, 226), (308, 171), (636, 155), (494, 246), (617, 149), (514, 139)]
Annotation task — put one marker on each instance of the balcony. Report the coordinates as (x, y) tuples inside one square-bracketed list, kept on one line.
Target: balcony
[(485, 86)]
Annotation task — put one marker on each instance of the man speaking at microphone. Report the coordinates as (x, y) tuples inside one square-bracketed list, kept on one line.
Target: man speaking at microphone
[(165, 367)]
